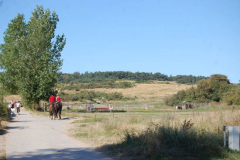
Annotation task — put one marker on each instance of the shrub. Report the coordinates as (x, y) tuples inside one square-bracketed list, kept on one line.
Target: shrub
[(4, 111), (207, 90), (166, 141), (232, 97)]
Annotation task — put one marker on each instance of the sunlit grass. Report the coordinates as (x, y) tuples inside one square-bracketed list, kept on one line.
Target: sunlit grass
[(142, 133), (146, 128)]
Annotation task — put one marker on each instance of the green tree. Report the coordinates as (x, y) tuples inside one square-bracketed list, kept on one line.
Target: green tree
[(211, 89), (31, 56), (232, 97), (11, 51), (191, 94)]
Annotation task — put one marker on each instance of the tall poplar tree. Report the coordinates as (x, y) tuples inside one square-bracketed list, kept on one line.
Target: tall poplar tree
[(31, 55)]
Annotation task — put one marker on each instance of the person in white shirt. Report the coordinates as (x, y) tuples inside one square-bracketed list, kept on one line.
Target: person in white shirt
[(18, 104)]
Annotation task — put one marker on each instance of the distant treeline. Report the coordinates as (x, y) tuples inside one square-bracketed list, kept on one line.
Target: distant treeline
[(89, 77)]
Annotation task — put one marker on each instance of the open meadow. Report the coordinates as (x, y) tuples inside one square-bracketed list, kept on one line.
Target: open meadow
[(153, 91), (144, 128), (155, 134), (153, 130)]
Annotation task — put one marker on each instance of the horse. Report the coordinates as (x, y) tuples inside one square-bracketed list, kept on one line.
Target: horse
[(55, 110), (188, 106), (59, 109), (178, 107)]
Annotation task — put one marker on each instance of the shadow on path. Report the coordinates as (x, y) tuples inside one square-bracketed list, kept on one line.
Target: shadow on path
[(2, 131), (62, 154), (19, 121)]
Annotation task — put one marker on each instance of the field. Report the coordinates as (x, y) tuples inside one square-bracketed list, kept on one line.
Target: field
[(156, 91), (159, 132), (148, 134)]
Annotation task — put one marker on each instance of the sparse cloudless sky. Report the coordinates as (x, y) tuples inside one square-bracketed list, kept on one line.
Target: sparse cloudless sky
[(173, 37)]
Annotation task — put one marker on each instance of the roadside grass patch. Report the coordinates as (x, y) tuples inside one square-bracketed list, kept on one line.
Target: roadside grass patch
[(84, 121), (110, 126), (215, 108), (172, 142), (89, 120), (81, 134), (71, 110), (87, 116)]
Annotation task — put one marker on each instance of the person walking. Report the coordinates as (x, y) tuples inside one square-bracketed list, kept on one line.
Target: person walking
[(12, 107), (18, 104)]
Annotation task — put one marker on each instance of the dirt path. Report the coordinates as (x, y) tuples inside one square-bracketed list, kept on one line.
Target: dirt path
[(32, 137)]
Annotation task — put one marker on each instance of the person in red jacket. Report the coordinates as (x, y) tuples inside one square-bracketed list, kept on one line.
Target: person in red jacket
[(52, 99), (58, 99)]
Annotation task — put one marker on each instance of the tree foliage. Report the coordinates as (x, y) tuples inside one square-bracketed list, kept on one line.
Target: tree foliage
[(215, 88), (30, 56), (232, 97), (4, 112), (88, 77)]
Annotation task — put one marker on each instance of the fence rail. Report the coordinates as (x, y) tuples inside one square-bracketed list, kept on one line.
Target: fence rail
[(123, 107)]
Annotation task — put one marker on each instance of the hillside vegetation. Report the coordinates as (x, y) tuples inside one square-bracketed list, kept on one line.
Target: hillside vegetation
[(149, 91), (217, 88), (89, 77)]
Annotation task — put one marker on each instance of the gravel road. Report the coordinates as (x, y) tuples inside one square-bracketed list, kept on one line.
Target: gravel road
[(31, 137)]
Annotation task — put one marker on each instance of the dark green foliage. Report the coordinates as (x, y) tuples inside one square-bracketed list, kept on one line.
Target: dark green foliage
[(232, 97), (4, 111), (211, 89), (36, 53), (183, 79), (89, 77), (173, 100)]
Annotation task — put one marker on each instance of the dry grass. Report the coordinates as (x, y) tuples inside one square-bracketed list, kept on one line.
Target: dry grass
[(12, 97), (155, 92), (113, 123), (108, 129)]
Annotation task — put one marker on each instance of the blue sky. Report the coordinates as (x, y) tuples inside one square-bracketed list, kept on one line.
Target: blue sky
[(187, 37)]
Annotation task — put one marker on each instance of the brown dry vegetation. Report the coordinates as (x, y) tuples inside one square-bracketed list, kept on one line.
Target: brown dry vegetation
[(154, 92), (110, 130), (12, 97)]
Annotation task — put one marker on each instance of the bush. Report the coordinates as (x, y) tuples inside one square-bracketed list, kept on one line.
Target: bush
[(207, 90), (4, 111), (173, 100), (232, 97), (183, 142)]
